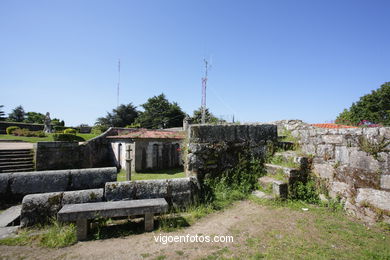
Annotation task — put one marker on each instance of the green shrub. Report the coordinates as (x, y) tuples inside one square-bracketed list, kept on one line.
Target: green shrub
[(236, 183), (11, 129), (59, 129), (304, 191), (28, 133), (67, 138), (70, 131)]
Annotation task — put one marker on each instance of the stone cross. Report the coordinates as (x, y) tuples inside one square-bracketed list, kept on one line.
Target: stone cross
[(128, 162)]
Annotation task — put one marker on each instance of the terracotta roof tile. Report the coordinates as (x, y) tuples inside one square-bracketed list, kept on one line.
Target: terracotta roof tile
[(152, 134), (333, 126)]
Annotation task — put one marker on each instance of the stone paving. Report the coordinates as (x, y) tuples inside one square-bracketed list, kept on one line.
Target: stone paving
[(15, 145)]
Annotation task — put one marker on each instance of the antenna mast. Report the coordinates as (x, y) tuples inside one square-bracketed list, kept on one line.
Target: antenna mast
[(204, 86), (119, 81)]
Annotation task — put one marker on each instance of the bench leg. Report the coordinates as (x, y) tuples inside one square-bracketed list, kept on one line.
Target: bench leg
[(149, 222), (82, 229)]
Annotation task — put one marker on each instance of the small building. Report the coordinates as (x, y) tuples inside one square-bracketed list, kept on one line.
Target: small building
[(150, 149)]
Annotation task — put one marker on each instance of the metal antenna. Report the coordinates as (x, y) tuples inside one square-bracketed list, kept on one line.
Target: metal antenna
[(204, 86), (119, 82)]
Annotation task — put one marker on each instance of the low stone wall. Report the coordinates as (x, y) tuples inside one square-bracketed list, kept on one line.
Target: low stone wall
[(31, 127), (13, 186), (40, 208), (179, 192), (353, 163), (216, 147)]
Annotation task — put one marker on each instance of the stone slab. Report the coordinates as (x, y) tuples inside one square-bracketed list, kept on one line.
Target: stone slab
[(6, 232), (73, 212), (376, 198), (261, 195), (10, 215)]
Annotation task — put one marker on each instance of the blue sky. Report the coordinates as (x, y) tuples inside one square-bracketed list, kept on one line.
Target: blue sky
[(270, 59)]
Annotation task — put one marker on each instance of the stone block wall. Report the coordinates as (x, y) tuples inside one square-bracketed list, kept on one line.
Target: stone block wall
[(179, 193), (211, 148), (354, 164), (72, 155), (14, 186)]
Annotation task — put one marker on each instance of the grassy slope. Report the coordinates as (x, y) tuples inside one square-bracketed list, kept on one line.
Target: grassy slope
[(41, 139)]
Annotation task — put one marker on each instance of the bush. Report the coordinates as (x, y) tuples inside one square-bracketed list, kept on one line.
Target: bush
[(59, 129), (67, 138), (28, 133), (70, 131), (11, 129)]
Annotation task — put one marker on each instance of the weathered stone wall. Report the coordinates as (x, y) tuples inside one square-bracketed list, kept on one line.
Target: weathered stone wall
[(72, 155), (213, 148), (39, 208), (354, 164), (179, 193), (13, 186)]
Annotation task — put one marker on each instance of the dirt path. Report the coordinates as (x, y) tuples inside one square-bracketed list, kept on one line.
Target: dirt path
[(241, 221)]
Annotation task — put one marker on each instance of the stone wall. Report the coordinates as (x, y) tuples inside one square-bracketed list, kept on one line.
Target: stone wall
[(31, 127), (213, 148), (72, 155), (179, 193), (353, 163), (14, 186)]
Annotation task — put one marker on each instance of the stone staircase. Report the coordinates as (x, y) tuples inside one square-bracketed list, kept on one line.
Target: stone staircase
[(21, 160), (283, 170)]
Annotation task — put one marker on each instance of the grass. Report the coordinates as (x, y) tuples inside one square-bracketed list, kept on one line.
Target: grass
[(153, 175), (285, 162), (49, 138), (55, 235), (319, 233)]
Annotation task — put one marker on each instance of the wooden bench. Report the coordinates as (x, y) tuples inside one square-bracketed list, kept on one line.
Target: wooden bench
[(82, 213)]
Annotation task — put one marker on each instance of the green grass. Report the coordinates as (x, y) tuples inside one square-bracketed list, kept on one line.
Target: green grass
[(155, 175), (285, 162), (49, 137), (54, 235)]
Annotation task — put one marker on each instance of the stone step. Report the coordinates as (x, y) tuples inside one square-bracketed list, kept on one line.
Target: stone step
[(16, 166), (16, 159), (10, 216), (16, 155), (279, 188), (262, 195), (16, 162), (273, 169), (286, 145), (288, 156), (6, 232), (9, 151), (27, 169)]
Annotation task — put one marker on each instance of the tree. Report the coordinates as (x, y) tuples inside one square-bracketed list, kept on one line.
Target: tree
[(17, 114), (122, 116), (160, 113), (209, 117), (2, 114), (34, 117), (374, 107)]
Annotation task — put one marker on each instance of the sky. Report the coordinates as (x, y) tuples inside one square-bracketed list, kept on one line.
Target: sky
[(270, 60)]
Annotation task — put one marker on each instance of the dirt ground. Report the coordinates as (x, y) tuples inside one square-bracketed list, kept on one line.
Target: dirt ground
[(253, 227), (231, 222)]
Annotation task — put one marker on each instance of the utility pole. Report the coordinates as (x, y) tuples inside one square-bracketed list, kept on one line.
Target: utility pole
[(119, 82), (204, 86)]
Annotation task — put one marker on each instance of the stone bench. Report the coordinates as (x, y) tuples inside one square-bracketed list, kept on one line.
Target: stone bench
[(82, 213)]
